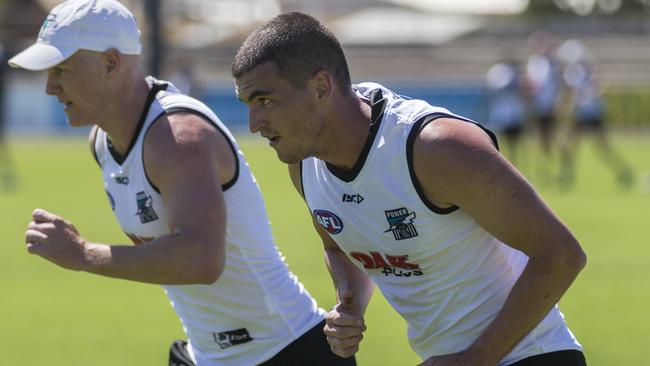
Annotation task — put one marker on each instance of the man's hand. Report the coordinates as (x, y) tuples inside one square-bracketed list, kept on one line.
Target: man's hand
[(56, 240), (345, 326)]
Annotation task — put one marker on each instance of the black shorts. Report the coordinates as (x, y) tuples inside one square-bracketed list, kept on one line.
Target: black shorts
[(589, 124), (512, 132), (559, 358), (546, 121), (310, 349), (178, 355)]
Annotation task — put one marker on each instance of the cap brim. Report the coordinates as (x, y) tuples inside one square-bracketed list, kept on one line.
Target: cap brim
[(41, 56)]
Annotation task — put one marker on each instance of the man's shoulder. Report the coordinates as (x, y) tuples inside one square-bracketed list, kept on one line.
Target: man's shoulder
[(449, 144), (179, 129), (447, 131)]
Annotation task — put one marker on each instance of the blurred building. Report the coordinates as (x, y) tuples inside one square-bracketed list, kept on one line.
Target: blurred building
[(433, 49)]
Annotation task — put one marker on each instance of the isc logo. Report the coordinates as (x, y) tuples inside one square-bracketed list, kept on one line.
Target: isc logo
[(122, 180), (329, 221), (356, 198)]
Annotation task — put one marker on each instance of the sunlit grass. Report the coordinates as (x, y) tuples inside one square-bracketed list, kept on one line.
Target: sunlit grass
[(56, 317)]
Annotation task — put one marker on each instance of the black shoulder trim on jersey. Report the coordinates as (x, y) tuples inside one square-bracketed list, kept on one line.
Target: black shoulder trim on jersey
[(231, 182), (92, 139), (144, 167), (410, 142), (493, 137), (377, 105), (155, 88), (302, 186)]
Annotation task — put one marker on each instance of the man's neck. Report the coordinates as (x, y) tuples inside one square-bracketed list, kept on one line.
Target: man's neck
[(353, 123), (124, 114)]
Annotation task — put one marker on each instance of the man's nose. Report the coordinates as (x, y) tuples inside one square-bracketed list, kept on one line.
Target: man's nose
[(255, 122), (52, 87)]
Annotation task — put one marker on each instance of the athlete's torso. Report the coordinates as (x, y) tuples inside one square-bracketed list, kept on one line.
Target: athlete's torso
[(588, 103), (544, 74), (437, 267), (257, 306)]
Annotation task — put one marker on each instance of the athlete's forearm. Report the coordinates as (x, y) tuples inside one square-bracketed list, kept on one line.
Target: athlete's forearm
[(537, 290), (347, 277), (172, 260)]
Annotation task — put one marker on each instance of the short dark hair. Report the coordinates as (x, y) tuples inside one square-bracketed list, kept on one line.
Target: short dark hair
[(298, 45)]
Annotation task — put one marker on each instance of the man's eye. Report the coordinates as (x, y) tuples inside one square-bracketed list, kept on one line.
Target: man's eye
[(264, 102)]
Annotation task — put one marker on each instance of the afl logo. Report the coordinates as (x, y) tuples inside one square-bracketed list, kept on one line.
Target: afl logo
[(329, 221)]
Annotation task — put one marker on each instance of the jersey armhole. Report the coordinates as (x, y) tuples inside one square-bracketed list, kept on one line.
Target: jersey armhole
[(144, 166), (302, 186), (410, 142), (235, 176), (92, 137)]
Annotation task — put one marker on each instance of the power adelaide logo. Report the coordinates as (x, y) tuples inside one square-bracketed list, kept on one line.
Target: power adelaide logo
[(401, 223), (329, 221)]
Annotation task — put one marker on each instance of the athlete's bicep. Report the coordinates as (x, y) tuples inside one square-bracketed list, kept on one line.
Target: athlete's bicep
[(457, 163), (180, 157), (203, 130)]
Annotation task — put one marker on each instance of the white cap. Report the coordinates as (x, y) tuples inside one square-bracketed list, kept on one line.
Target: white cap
[(95, 25)]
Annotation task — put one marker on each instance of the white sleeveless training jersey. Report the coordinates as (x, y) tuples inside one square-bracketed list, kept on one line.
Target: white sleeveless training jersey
[(257, 307), (438, 268)]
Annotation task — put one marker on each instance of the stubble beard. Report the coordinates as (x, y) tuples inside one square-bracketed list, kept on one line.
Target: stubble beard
[(290, 158)]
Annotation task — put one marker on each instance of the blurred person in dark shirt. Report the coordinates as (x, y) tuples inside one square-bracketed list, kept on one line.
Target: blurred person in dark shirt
[(506, 104), (7, 169), (543, 86), (587, 111)]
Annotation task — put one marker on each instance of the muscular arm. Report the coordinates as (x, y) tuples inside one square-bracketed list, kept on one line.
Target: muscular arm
[(456, 163), (188, 160), (344, 324)]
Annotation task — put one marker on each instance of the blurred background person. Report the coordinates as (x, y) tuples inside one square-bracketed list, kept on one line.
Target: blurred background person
[(506, 105), (184, 77), (587, 114), (543, 85), (19, 19), (7, 169)]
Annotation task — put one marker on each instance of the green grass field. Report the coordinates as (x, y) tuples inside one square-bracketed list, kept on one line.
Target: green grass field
[(52, 316)]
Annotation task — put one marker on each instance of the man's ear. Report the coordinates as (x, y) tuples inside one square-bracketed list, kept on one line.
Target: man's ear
[(323, 84), (112, 60)]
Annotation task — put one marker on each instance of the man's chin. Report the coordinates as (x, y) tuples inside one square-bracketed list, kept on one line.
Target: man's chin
[(288, 159), (74, 123)]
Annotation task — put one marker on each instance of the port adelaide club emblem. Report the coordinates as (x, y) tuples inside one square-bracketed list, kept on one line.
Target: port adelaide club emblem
[(400, 223)]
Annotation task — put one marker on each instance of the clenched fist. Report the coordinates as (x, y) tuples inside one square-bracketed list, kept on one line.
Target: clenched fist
[(345, 326), (55, 239)]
